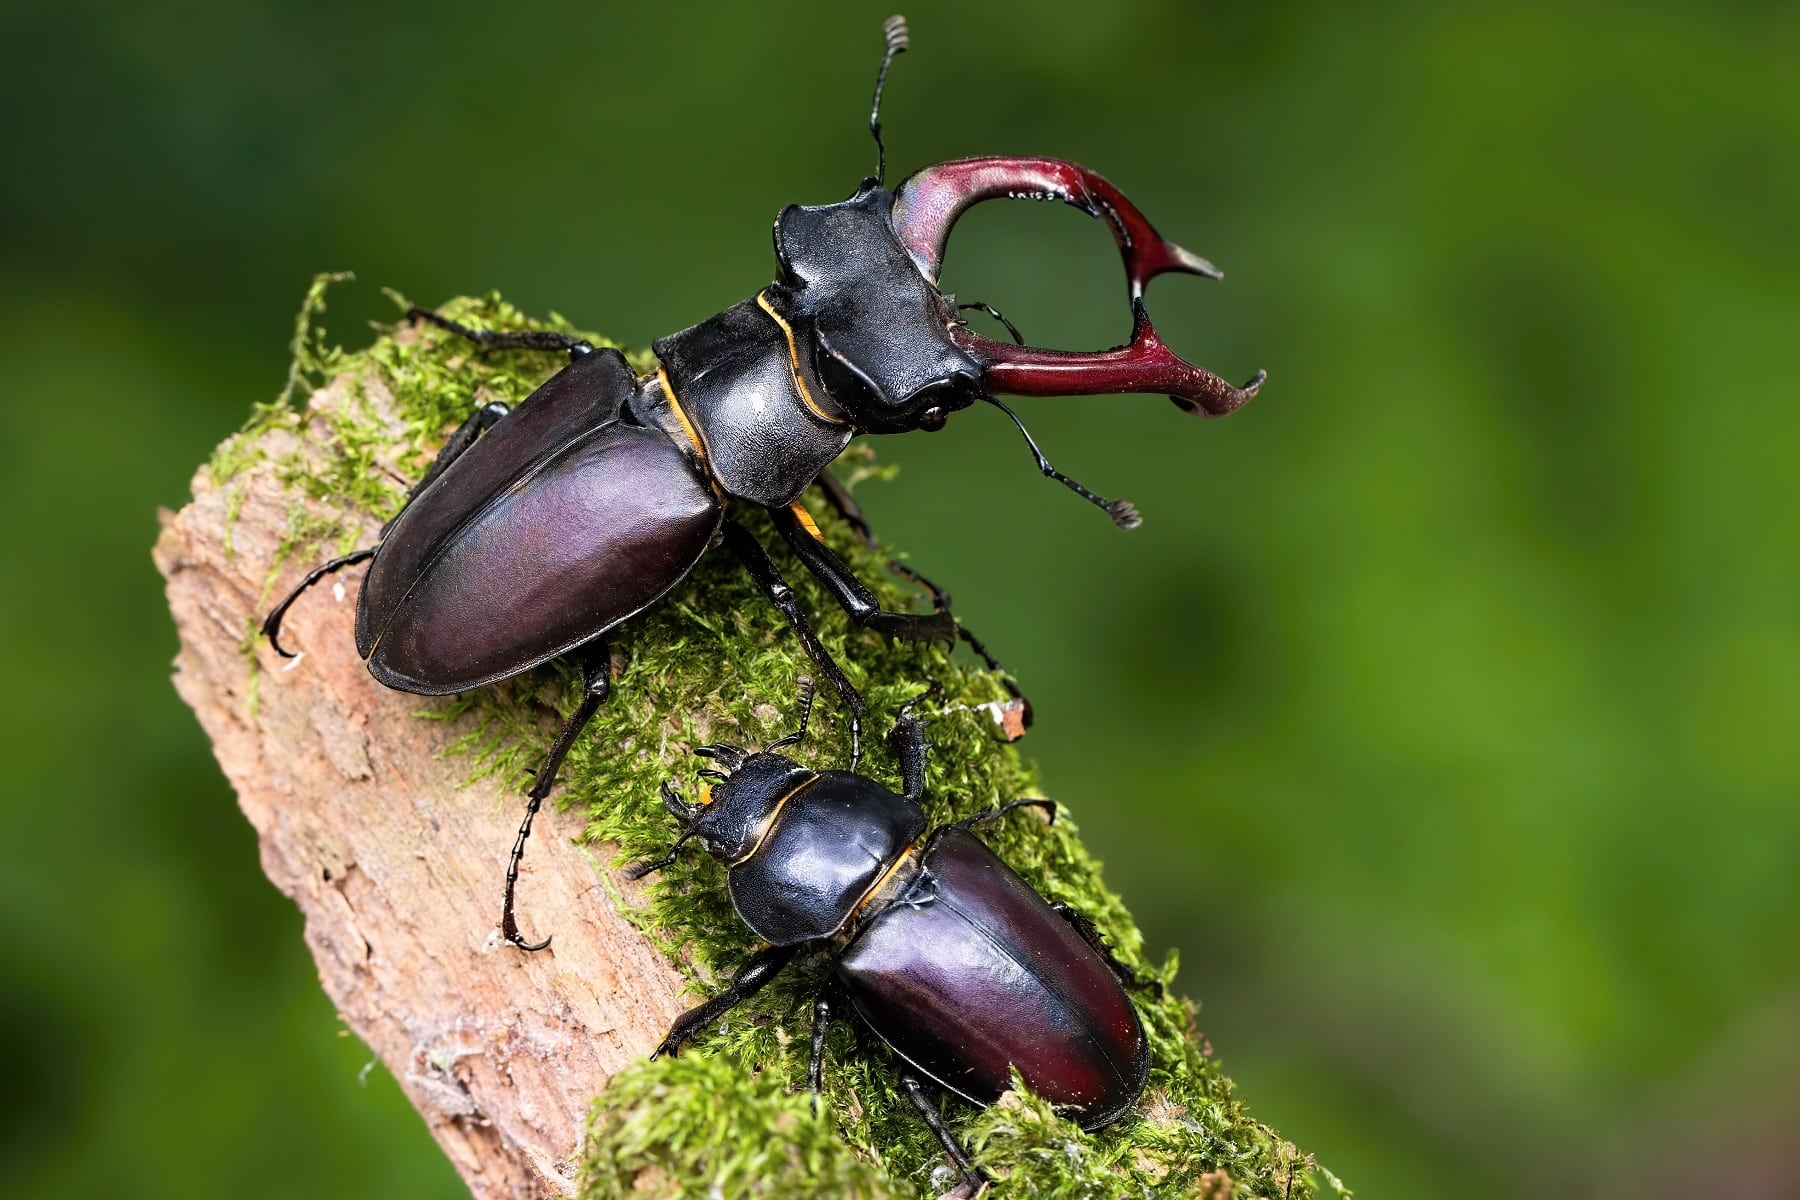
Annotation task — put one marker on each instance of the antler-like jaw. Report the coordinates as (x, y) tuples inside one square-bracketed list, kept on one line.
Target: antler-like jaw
[(926, 207), (1144, 364)]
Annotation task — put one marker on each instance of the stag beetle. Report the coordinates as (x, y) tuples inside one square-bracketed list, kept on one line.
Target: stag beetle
[(536, 532), (939, 948)]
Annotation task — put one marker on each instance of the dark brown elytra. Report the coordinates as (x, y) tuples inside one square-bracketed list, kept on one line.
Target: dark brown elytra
[(538, 531)]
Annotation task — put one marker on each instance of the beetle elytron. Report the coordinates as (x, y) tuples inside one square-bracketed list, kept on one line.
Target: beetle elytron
[(536, 532)]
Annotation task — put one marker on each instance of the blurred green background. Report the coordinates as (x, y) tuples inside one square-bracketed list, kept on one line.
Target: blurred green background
[(1442, 713)]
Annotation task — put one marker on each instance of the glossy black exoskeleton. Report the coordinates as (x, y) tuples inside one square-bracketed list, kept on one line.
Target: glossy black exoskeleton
[(938, 947), (537, 532)]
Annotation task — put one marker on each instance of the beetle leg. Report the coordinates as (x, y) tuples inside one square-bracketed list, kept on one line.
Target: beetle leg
[(807, 691), (798, 530), (271, 626), (762, 569), (846, 507), (751, 978), (907, 739), (851, 511), (507, 339), (1084, 925), (994, 814), (839, 497), (916, 1093), (596, 683), (815, 1064), (650, 866)]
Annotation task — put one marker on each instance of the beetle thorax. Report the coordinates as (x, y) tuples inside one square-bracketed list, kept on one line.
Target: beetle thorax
[(747, 402), (810, 848)]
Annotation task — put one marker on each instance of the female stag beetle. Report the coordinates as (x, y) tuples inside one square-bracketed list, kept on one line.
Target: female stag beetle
[(538, 531), (939, 948)]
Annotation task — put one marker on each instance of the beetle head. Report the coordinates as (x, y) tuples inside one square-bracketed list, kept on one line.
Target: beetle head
[(875, 329), (733, 812)]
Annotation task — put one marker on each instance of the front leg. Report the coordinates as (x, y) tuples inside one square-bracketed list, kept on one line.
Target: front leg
[(840, 499), (756, 560), (797, 528), (815, 1063), (751, 978), (1015, 719), (479, 422)]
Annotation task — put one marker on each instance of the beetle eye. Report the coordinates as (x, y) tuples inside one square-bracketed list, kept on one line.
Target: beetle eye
[(932, 419)]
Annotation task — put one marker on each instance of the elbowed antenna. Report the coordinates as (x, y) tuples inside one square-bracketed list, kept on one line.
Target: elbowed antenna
[(683, 812), (896, 39), (927, 205), (1123, 512)]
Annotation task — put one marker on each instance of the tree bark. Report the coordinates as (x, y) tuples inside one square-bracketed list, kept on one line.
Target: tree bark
[(364, 823)]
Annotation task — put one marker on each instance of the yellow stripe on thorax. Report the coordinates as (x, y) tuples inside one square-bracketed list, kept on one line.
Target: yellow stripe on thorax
[(762, 302), (687, 427), (907, 857)]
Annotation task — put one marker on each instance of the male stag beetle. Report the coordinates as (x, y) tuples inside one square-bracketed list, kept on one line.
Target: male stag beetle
[(537, 532), (940, 949)]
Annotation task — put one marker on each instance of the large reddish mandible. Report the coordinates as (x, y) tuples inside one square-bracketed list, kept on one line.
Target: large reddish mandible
[(926, 207)]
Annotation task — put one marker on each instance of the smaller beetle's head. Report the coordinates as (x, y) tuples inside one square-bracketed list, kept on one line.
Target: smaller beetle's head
[(874, 331), (734, 811)]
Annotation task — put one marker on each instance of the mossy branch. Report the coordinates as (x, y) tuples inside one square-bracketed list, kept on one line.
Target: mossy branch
[(387, 818)]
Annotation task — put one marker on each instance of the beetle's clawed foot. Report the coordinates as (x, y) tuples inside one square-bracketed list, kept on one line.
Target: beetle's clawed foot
[(518, 939), (271, 629), (932, 688), (968, 1189)]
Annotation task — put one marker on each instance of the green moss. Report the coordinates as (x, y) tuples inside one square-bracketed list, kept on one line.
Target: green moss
[(716, 662)]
